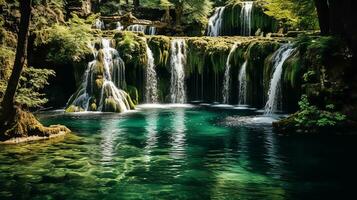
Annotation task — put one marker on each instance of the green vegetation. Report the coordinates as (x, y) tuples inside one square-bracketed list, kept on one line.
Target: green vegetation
[(299, 14), (310, 116), (67, 43)]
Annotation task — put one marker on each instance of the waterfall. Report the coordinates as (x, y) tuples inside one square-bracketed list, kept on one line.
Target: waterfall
[(274, 95), (99, 24), (101, 82), (177, 63), (136, 28), (119, 26), (151, 95), (152, 30), (227, 75), (215, 22), (243, 84), (246, 18)]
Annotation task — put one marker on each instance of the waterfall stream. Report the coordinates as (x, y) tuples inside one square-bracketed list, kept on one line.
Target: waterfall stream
[(242, 100), (102, 79), (274, 94), (177, 63), (151, 95), (119, 27), (136, 28), (227, 75), (99, 24), (151, 30), (246, 18), (215, 22)]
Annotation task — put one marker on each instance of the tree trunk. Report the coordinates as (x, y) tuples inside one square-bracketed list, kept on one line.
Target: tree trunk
[(21, 51), (323, 15)]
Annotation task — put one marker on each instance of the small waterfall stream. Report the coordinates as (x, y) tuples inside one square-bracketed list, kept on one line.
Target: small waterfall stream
[(99, 24), (177, 64), (136, 28), (151, 95), (242, 99), (152, 30), (246, 18), (227, 75), (119, 27), (274, 94), (101, 82), (215, 22)]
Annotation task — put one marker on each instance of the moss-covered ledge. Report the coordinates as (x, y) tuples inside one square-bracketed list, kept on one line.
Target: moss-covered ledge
[(26, 128)]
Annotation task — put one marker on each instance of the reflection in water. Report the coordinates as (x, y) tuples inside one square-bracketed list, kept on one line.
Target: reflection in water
[(109, 134), (151, 129), (192, 156), (272, 156), (243, 148), (178, 139)]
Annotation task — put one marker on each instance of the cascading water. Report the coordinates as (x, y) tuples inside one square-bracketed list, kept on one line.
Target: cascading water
[(152, 30), (104, 76), (177, 63), (242, 99), (215, 22), (227, 75), (119, 26), (246, 18), (136, 28), (99, 24), (151, 95), (279, 57)]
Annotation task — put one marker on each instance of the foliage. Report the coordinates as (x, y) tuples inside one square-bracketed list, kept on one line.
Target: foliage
[(67, 43), (47, 13), (32, 81), (310, 116), (110, 7), (295, 13), (132, 48), (193, 11)]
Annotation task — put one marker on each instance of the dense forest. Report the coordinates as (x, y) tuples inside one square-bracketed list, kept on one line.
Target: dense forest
[(230, 66)]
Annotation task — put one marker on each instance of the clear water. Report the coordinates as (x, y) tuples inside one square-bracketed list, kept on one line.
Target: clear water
[(177, 152)]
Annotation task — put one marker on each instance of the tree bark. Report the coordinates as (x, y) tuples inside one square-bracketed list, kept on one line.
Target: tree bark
[(21, 51), (323, 13)]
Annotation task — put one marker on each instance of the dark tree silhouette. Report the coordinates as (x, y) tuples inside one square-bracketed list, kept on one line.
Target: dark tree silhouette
[(7, 105)]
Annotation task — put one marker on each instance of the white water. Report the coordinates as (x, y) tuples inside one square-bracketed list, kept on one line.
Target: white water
[(99, 24), (274, 94), (151, 95), (136, 28), (246, 18), (242, 99), (152, 30), (113, 79), (227, 75), (215, 22), (177, 63), (119, 26)]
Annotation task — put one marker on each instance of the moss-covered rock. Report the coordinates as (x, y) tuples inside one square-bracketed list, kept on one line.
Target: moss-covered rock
[(262, 23), (25, 127)]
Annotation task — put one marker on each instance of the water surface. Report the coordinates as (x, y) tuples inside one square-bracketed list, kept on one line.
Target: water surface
[(177, 152)]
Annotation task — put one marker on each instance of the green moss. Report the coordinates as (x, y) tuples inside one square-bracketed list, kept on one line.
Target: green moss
[(132, 48), (293, 71), (231, 24), (73, 108), (133, 93), (160, 46)]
